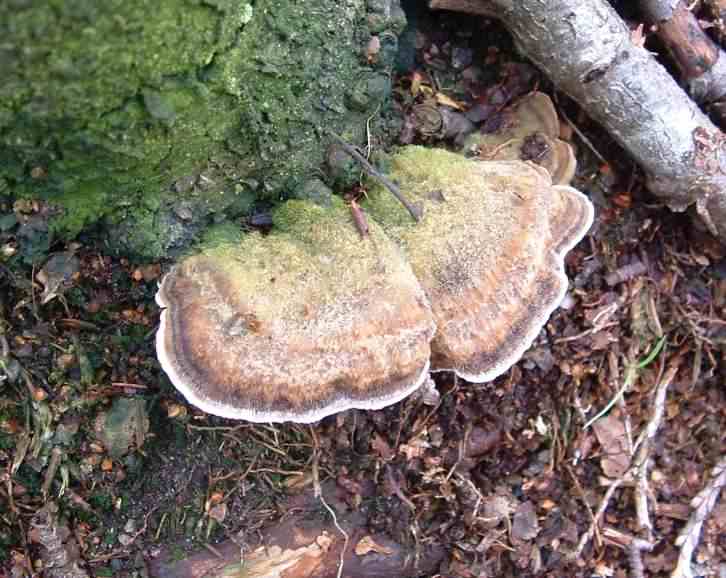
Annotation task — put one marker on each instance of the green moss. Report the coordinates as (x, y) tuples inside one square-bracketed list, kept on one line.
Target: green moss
[(314, 255), (221, 235), (418, 171), (105, 107), (297, 217)]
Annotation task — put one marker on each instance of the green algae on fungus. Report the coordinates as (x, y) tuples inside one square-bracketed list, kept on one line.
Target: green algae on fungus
[(295, 325), (488, 251), (104, 107)]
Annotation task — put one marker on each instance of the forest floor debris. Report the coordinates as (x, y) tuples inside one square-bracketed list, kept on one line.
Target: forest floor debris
[(512, 477)]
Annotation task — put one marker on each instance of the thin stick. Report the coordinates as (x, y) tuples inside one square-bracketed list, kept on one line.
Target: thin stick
[(583, 497), (643, 444), (703, 503), (646, 435), (319, 494), (414, 211), (582, 136), (587, 536), (635, 557)]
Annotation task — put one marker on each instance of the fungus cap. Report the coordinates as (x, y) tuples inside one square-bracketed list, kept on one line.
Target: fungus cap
[(529, 132), (305, 322), (488, 252), (311, 319)]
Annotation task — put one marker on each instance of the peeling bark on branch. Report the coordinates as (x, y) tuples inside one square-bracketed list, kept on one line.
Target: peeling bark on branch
[(701, 62), (587, 51)]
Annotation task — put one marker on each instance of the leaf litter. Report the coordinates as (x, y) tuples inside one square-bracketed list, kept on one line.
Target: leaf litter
[(600, 453)]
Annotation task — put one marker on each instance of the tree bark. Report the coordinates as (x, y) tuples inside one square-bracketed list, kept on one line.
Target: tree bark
[(587, 51), (701, 62)]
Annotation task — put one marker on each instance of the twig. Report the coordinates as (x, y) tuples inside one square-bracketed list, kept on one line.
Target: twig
[(599, 322), (615, 378), (55, 459), (130, 385), (359, 218), (582, 136), (583, 497), (622, 539), (319, 494), (414, 211), (587, 536), (634, 557), (641, 446), (703, 503), (625, 273), (462, 446), (396, 487), (413, 527), (630, 374)]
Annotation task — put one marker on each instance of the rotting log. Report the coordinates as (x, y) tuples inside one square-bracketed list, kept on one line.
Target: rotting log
[(305, 547), (587, 51)]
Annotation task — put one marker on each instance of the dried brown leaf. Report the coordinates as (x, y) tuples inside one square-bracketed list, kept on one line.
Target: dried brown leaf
[(367, 544), (610, 432)]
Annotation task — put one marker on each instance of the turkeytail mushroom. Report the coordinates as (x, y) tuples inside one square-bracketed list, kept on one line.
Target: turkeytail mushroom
[(488, 251), (528, 131), (296, 325)]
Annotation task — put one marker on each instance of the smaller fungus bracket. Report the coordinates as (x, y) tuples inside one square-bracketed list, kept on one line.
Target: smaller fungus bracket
[(296, 325), (529, 131)]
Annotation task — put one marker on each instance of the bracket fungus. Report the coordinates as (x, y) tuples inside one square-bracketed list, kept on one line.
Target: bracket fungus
[(311, 319), (529, 131), (296, 325), (488, 252)]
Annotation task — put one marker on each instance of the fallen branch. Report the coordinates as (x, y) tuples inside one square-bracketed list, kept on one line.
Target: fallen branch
[(702, 64), (703, 504), (305, 545), (587, 51)]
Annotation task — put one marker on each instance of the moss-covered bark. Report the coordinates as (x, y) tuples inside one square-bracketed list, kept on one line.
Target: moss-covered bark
[(161, 117)]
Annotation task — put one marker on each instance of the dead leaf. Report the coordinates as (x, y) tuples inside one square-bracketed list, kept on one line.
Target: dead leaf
[(416, 83), (444, 100), (58, 274), (525, 525), (497, 508), (367, 544), (610, 432)]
